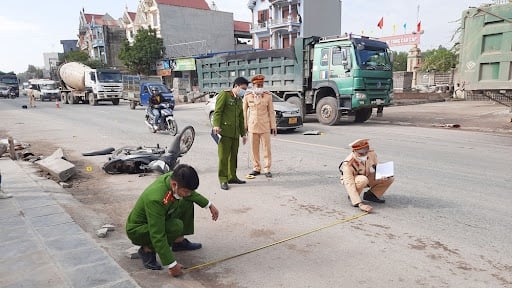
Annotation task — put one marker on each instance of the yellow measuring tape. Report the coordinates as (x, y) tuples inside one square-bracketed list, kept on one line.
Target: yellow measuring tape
[(275, 243)]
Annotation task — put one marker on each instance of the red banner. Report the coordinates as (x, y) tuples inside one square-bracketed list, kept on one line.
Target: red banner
[(401, 40)]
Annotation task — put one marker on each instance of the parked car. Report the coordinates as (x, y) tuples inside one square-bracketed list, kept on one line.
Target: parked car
[(7, 92), (288, 116)]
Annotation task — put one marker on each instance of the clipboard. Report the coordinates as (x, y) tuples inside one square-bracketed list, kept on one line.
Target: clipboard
[(384, 170)]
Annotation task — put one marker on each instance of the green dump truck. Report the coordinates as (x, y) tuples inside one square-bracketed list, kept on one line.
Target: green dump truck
[(334, 77), (485, 57)]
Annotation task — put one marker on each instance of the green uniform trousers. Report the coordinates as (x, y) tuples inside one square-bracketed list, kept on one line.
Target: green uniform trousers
[(228, 158), (178, 223)]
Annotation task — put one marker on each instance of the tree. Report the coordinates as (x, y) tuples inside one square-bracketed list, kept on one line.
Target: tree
[(400, 61), (440, 59), (34, 72), (76, 56), (142, 55)]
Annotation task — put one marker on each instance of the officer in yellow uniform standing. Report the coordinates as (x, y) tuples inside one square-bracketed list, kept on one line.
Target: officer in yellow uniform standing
[(358, 173), (260, 122)]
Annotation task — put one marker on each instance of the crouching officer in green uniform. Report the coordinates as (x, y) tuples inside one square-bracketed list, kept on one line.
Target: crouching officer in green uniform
[(228, 121), (163, 214)]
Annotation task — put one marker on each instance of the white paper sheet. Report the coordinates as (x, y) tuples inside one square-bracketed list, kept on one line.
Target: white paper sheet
[(384, 170)]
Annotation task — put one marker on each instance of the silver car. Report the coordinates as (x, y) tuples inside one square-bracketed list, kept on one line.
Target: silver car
[(288, 116)]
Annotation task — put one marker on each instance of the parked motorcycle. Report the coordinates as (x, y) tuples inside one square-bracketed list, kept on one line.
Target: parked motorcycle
[(133, 160), (166, 122)]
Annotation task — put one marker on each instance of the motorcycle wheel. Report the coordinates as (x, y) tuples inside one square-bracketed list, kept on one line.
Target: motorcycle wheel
[(172, 126), (187, 137)]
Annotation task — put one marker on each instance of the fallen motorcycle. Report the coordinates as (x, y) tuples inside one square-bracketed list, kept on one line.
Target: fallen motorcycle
[(166, 123), (134, 160)]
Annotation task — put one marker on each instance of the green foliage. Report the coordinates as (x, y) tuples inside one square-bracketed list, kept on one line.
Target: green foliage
[(141, 56), (440, 59), (76, 56), (399, 61)]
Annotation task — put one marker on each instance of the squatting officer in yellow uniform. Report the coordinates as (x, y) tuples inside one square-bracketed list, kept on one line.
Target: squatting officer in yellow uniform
[(228, 121), (358, 173)]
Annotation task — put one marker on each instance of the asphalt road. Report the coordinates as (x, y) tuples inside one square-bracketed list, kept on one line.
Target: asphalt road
[(446, 221)]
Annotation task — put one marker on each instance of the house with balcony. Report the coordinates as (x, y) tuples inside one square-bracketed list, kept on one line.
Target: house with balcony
[(127, 22), (100, 36), (277, 23)]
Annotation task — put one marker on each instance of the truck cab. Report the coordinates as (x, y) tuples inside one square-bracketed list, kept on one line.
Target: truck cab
[(357, 71)]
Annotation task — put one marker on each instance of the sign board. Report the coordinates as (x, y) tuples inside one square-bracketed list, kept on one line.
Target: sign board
[(163, 68), (401, 40), (185, 64)]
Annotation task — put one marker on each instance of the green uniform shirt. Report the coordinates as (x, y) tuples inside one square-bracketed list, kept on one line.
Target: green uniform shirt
[(229, 115), (151, 209)]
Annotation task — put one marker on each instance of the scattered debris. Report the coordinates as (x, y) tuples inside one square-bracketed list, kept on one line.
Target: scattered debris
[(446, 125), (312, 132), (65, 185), (131, 252), (109, 227), (57, 166), (102, 233)]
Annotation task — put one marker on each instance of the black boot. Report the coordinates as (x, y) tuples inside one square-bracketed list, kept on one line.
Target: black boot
[(369, 196), (149, 259)]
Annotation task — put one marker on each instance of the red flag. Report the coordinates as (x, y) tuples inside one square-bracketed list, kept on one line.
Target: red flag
[(418, 27), (381, 23)]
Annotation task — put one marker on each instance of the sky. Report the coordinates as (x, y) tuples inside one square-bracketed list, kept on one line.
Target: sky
[(29, 28)]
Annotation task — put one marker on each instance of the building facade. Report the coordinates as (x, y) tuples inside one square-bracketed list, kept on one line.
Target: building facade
[(100, 36), (277, 23)]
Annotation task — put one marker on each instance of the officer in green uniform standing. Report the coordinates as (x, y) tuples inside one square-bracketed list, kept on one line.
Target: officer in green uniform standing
[(163, 214), (228, 121)]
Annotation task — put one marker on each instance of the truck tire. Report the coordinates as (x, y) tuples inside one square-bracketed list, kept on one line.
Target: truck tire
[(133, 105), (327, 111), (92, 101), (71, 99), (363, 114), (297, 102), (115, 101)]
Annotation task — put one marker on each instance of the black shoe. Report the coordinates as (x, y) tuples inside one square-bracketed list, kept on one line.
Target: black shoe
[(236, 181), (224, 186), (255, 173), (268, 175), (149, 259), (185, 245), (369, 196)]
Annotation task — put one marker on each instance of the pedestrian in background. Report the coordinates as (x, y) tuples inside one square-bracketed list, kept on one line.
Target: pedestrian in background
[(358, 173), (163, 214), (260, 122), (31, 97), (228, 121)]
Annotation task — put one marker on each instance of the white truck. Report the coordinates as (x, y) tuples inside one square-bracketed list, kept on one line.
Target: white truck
[(81, 83), (44, 89)]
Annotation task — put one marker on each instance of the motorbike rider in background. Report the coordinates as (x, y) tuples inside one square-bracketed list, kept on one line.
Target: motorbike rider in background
[(155, 101)]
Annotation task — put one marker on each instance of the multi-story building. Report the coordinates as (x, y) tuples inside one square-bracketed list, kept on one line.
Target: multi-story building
[(69, 45), (100, 36), (277, 23), (187, 28)]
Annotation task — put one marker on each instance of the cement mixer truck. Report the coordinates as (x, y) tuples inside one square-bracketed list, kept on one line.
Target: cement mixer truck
[(81, 83)]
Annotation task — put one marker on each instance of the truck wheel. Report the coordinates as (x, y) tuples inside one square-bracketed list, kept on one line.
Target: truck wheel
[(363, 114), (133, 105), (92, 101), (115, 101), (71, 99), (297, 102), (327, 111)]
